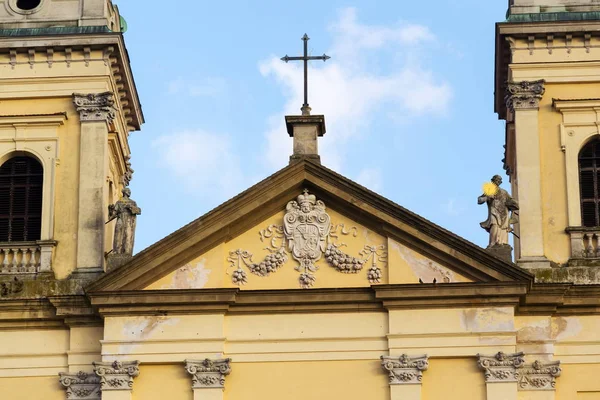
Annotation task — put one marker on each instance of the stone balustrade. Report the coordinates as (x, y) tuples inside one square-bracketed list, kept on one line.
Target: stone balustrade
[(585, 242), (26, 257)]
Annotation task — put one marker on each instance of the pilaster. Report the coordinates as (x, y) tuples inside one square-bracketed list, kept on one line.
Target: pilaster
[(405, 375), (208, 377), (96, 112), (81, 386), (116, 378), (501, 374), (523, 100)]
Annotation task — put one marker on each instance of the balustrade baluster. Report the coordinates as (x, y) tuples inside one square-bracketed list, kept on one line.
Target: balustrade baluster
[(32, 267), (5, 260), (13, 265), (589, 249)]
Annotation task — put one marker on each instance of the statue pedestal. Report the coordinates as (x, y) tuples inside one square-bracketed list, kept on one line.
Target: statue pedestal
[(116, 260), (502, 251)]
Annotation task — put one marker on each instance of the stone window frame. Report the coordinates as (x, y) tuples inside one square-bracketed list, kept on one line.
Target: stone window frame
[(43, 146), (580, 124), (12, 5)]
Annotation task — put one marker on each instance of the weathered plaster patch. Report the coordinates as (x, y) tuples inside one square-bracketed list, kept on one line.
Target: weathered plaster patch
[(141, 328), (535, 331), (189, 277), (565, 327), (424, 268), (487, 320)]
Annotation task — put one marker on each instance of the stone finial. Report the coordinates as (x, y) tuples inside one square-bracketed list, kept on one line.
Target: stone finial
[(81, 386), (405, 370), (117, 375), (306, 130), (524, 95), (207, 374), (95, 106), (539, 375), (501, 367)]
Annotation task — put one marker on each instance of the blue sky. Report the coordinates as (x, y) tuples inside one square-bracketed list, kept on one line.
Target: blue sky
[(407, 96)]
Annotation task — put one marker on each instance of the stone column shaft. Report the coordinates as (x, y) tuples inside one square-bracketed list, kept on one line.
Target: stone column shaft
[(95, 111), (523, 100)]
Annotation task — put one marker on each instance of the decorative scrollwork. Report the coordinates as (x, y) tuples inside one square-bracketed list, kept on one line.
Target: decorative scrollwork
[(405, 369), (208, 373), (501, 367), (539, 375), (375, 254), (117, 375)]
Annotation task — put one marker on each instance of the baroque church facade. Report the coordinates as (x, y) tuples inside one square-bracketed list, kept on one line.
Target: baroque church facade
[(306, 285)]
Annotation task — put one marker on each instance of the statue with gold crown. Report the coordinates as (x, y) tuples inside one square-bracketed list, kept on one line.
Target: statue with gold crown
[(501, 211)]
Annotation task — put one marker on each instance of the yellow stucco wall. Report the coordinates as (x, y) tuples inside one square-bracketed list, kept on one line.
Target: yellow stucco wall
[(579, 382), (30, 388), (308, 380), (453, 379), (169, 381)]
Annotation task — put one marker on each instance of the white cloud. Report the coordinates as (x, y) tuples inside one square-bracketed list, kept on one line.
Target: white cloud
[(452, 209), (203, 161), (371, 178), (349, 93)]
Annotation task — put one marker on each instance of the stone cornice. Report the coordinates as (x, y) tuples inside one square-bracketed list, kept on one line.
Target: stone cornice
[(539, 375), (207, 373), (117, 375), (405, 370), (524, 95), (81, 386), (95, 106), (500, 367)]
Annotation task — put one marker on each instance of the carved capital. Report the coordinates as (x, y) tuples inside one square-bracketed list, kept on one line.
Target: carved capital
[(524, 95), (81, 386), (501, 367), (539, 375), (207, 374), (95, 106), (405, 370), (117, 375)]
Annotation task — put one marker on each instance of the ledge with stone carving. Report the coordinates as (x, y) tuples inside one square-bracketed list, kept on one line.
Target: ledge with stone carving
[(207, 373), (117, 375), (81, 386), (501, 367)]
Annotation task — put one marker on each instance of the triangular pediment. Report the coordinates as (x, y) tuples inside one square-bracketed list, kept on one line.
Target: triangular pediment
[(345, 236)]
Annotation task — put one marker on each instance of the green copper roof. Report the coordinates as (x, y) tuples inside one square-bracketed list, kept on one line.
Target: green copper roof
[(64, 30), (555, 17)]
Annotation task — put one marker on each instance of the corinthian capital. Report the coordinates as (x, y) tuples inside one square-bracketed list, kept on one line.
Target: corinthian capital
[(539, 375), (81, 386), (117, 375), (208, 373), (524, 95), (500, 367), (95, 106), (404, 369)]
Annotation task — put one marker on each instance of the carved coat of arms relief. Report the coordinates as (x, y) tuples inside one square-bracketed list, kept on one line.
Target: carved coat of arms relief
[(307, 235)]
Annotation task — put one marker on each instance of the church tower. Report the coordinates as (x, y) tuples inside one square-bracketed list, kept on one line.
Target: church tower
[(547, 88), (67, 105)]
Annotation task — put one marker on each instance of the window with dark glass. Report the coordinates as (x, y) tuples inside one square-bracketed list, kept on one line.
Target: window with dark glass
[(21, 184), (589, 183)]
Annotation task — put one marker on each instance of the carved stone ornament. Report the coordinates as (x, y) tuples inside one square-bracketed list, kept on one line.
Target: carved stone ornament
[(81, 386), (539, 375), (524, 94), (95, 107), (307, 232), (207, 374), (405, 370), (501, 367), (117, 375)]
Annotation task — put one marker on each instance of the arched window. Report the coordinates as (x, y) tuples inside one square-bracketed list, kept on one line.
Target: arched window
[(21, 184), (589, 183)]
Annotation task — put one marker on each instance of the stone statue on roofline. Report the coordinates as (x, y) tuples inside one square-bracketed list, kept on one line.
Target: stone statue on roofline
[(125, 211), (501, 212)]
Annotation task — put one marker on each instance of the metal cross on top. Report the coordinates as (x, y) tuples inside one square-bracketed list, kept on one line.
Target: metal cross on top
[(306, 58)]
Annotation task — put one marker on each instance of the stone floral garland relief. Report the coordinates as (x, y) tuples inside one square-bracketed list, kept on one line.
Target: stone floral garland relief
[(307, 235)]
